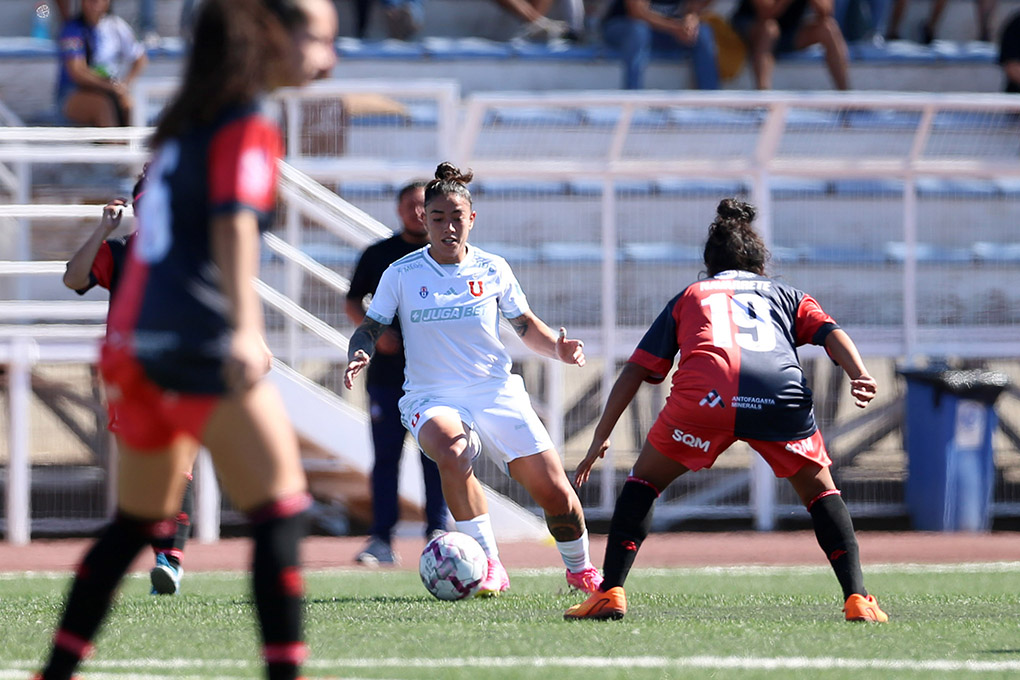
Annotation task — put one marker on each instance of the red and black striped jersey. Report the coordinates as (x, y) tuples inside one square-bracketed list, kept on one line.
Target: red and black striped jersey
[(737, 334), (172, 314)]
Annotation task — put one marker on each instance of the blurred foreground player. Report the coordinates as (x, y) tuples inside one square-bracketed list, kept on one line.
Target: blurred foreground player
[(738, 379), (184, 358)]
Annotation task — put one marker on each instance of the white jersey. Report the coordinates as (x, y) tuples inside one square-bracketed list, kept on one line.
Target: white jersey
[(448, 317)]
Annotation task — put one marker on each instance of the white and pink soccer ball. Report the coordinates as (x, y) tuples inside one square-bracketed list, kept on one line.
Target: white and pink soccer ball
[(452, 566)]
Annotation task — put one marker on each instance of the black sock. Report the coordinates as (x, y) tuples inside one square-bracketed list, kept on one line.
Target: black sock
[(277, 583), (632, 519), (173, 546), (835, 532), (92, 590)]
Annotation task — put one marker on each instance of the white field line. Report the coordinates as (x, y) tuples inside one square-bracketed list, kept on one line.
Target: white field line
[(17, 668), (748, 570)]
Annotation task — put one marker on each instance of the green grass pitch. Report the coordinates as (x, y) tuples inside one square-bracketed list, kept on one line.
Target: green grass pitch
[(946, 622)]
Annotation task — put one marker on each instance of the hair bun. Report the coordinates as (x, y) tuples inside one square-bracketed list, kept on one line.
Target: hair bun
[(732, 209), (448, 172)]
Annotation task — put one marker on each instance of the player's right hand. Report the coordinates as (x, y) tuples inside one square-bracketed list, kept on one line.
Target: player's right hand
[(595, 451), (355, 367), (112, 212), (863, 390)]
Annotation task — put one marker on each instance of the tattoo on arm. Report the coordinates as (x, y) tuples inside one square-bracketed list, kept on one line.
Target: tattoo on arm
[(568, 527), (365, 337), (520, 324)]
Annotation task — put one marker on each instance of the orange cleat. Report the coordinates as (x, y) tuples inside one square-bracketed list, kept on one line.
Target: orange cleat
[(611, 604), (860, 608)]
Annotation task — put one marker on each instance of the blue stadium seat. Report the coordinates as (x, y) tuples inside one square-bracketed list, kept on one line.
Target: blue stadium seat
[(896, 251), (714, 117), (513, 253), (956, 188), (985, 251), (562, 252), (535, 116), (352, 48), (558, 50), (868, 188), (365, 189), (664, 252), (450, 49), (702, 187), (797, 187), (514, 188)]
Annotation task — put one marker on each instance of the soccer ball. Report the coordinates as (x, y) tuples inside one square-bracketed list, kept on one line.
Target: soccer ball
[(452, 566)]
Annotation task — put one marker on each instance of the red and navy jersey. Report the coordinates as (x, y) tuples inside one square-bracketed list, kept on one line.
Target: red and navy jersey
[(108, 265), (737, 335), (172, 315)]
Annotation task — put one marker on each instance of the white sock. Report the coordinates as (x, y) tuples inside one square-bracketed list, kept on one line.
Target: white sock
[(480, 529), (575, 552)]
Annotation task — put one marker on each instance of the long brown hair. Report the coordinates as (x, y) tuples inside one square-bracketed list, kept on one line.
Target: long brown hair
[(234, 43), (732, 242)]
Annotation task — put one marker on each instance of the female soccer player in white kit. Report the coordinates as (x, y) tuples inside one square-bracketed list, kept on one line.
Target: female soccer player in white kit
[(458, 389)]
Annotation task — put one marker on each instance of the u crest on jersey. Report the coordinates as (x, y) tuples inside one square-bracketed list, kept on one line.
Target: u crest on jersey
[(472, 285)]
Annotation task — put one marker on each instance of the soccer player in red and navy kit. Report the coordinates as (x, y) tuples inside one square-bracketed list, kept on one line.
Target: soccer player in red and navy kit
[(738, 379), (100, 262), (184, 358)]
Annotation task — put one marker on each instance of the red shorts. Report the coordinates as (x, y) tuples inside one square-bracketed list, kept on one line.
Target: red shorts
[(144, 415), (697, 447)]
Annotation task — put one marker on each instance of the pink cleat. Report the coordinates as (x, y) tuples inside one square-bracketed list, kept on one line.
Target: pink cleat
[(588, 579), (495, 581)]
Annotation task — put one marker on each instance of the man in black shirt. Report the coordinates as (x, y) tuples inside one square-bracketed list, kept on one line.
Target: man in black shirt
[(385, 386)]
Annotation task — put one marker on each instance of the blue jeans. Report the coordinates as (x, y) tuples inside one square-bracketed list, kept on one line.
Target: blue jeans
[(878, 11), (637, 43), (147, 17), (388, 439)]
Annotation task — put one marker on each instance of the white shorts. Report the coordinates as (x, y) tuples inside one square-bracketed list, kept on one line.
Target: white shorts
[(507, 425)]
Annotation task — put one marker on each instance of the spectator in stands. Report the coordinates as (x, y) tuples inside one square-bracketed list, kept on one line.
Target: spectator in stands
[(404, 18), (538, 26), (862, 20), (641, 28), (99, 59), (776, 27), (385, 387), (926, 32), (1009, 53), (100, 262), (184, 359)]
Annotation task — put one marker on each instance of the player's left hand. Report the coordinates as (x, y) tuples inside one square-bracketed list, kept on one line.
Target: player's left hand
[(863, 390), (569, 351)]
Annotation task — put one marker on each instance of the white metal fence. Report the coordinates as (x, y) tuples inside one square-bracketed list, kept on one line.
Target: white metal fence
[(898, 212)]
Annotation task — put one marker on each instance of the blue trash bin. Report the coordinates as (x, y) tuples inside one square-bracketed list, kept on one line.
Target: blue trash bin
[(948, 426)]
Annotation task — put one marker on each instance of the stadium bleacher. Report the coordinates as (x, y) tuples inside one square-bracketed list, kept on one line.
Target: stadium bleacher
[(469, 39)]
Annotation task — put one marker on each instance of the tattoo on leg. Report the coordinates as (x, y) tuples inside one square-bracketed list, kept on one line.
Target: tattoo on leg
[(568, 527)]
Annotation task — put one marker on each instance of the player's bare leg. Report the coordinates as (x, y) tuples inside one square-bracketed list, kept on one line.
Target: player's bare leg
[(449, 442), (542, 475)]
